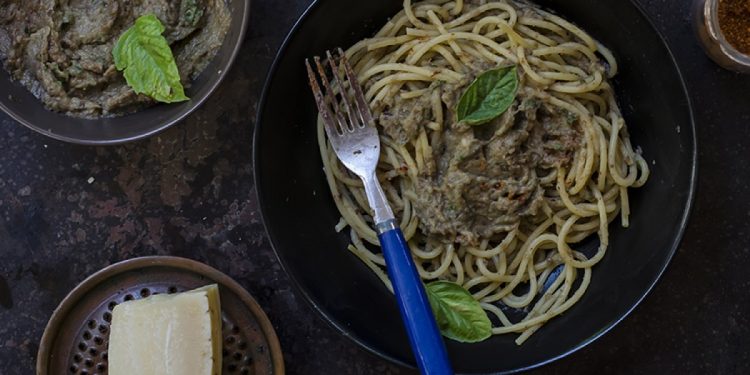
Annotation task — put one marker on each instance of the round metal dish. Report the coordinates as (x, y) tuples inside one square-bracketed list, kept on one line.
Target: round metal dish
[(77, 336), (352, 299), (22, 106)]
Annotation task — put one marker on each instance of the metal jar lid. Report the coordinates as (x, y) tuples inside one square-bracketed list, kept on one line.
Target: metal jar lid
[(712, 39)]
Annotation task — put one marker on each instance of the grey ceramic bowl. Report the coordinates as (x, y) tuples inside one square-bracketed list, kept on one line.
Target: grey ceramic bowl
[(20, 104)]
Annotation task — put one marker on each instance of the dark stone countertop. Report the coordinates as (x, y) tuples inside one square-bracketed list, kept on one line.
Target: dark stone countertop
[(67, 211)]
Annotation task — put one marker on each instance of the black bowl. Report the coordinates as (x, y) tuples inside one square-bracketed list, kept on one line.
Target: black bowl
[(20, 104), (300, 215)]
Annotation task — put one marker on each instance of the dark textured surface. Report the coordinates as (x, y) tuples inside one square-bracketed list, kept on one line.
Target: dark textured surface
[(67, 211)]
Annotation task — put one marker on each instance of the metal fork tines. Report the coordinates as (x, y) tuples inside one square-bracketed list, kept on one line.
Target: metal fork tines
[(349, 125)]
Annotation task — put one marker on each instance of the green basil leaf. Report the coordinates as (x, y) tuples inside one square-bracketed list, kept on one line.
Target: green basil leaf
[(459, 316), (489, 96), (146, 60)]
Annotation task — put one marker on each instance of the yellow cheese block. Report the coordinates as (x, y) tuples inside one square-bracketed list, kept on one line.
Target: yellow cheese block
[(177, 334)]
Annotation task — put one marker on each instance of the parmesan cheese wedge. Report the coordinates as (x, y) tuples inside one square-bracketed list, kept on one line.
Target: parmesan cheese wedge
[(177, 334)]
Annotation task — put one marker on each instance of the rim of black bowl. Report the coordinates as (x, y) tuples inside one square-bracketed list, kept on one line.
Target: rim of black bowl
[(344, 332), (197, 103)]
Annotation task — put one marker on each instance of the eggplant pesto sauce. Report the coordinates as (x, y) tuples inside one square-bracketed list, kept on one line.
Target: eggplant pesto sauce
[(61, 50), (483, 179)]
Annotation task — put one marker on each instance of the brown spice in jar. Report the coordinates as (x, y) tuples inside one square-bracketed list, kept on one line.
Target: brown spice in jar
[(734, 22)]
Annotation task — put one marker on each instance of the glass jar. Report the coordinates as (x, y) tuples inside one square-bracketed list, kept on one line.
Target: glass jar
[(713, 41)]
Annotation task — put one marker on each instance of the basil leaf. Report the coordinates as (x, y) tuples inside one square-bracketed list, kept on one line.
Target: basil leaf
[(146, 60), (459, 316), (489, 96)]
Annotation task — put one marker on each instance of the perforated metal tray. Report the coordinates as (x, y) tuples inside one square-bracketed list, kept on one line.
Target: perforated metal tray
[(77, 336)]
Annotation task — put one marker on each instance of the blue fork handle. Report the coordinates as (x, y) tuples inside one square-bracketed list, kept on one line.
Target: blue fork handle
[(426, 341)]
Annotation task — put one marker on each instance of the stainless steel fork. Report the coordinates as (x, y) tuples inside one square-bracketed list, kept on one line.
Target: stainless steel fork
[(352, 133)]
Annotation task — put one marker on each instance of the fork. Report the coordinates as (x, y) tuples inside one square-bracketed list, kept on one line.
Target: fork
[(355, 140)]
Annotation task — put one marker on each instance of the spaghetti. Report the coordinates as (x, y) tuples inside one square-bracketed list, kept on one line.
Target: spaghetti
[(571, 164)]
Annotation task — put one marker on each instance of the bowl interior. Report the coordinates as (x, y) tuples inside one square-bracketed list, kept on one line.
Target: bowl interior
[(20, 104), (300, 214)]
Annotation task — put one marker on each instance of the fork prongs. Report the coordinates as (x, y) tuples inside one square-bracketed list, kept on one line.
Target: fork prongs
[(343, 91), (327, 104), (322, 102), (359, 97), (329, 107)]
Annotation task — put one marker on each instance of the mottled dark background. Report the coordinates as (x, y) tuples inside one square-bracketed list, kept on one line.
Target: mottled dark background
[(67, 211)]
